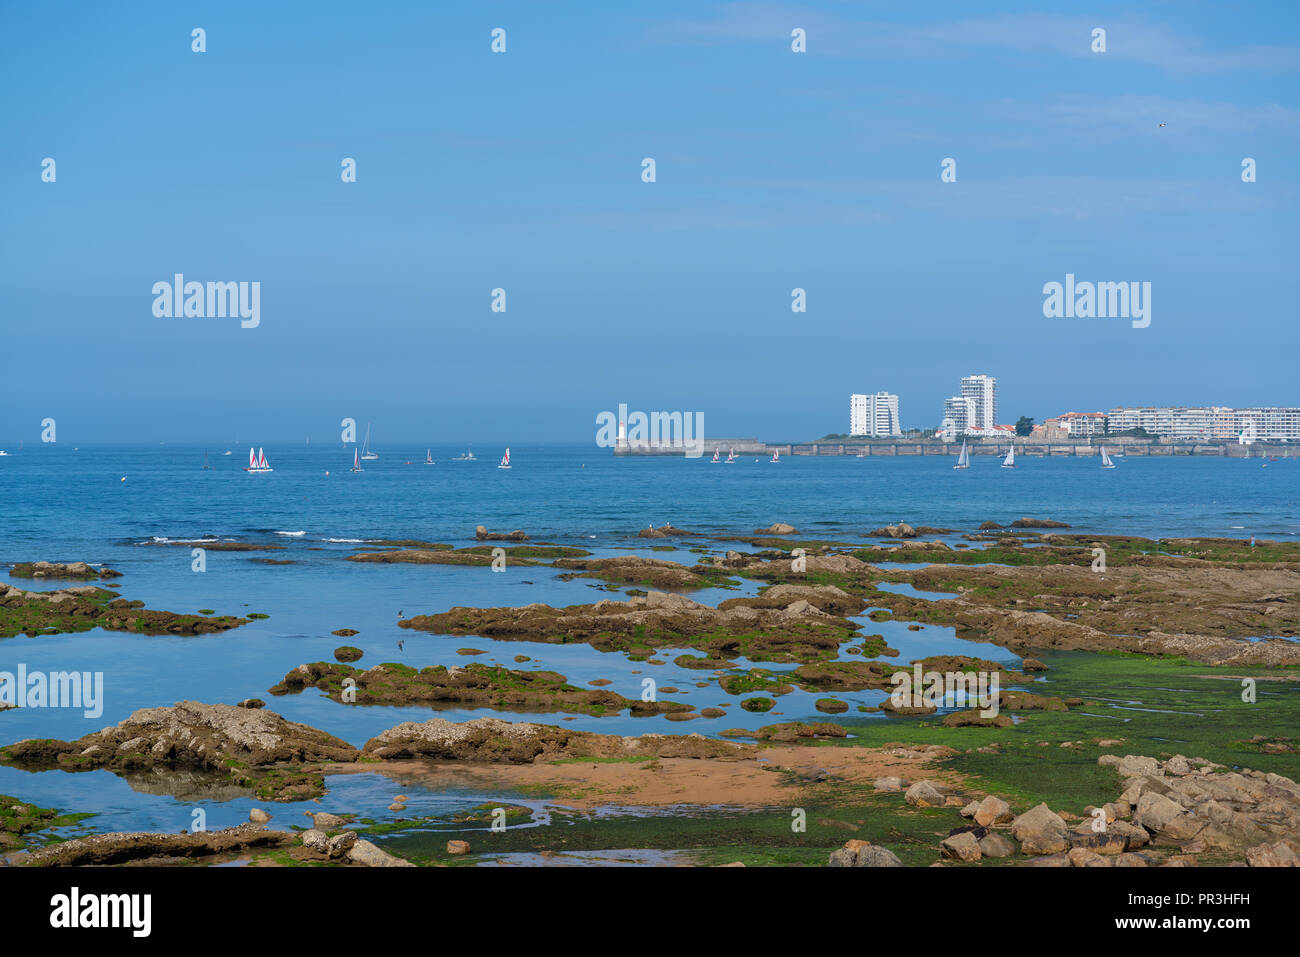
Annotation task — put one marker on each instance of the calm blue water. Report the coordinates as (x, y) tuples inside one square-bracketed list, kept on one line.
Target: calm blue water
[(61, 504)]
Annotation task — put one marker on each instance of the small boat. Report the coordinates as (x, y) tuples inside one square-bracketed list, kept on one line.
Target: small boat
[(505, 460), (356, 462), (715, 456), (206, 466), (963, 459), (468, 456), (428, 456), (1106, 463), (1010, 461), (366, 454), (776, 457), (227, 452), (3, 452), (731, 456), (257, 463)]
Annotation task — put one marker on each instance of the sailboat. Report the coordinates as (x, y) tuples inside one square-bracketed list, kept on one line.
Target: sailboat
[(731, 456), (963, 459), (776, 456), (1106, 463), (366, 454), (505, 460), (467, 456), (428, 456), (356, 462), (206, 466), (715, 456), (1010, 461), (257, 463)]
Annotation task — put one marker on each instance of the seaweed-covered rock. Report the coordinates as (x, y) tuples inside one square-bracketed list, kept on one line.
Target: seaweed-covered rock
[(71, 570), (253, 746), (491, 739)]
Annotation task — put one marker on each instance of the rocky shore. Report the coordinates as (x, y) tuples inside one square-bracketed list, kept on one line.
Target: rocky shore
[(1169, 813), (83, 607), (1202, 617)]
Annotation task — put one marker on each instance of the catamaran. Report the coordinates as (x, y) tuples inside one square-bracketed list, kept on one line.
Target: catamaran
[(715, 456), (257, 463), (963, 460), (366, 454), (356, 462), (731, 456), (428, 456), (505, 460), (776, 456), (468, 456), (1106, 463), (1010, 461)]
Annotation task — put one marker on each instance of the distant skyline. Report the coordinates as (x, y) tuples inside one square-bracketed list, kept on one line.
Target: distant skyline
[(523, 171)]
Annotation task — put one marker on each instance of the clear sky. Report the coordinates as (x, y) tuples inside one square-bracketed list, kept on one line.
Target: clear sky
[(522, 170)]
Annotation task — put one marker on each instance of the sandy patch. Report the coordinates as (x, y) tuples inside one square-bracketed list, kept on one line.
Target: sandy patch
[(670, 781)]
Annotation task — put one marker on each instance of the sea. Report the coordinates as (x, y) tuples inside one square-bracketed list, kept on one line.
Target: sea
[(143, 509)]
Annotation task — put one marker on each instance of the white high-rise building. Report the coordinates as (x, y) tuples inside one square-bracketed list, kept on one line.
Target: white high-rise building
[(983, 390), (874, 415), (958, 416), (857, 414)]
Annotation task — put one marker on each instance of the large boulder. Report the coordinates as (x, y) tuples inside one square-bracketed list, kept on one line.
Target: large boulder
[(901, 530), (368, 855), (994, 844), (925, 794), (857, 853), (1155, 811), (962, 846), (993, 810), (1040, 831), (1278, 854)]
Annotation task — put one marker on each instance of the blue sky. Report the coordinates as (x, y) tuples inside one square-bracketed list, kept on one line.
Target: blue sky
[(522, 170)]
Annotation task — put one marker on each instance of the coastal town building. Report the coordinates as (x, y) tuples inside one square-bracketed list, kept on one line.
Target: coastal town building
[(1259, 424), (983, 390), (874, 415), (1050, 431), (958, 416), (972, 412), (1079, 423)]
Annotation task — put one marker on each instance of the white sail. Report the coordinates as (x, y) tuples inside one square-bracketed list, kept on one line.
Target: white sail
[(1010, 461), (963, 460), (505, 460), (252, 458), (261, 459), (1106, 463)]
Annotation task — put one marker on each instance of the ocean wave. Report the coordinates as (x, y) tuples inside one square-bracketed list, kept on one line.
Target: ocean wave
[(347, 541), (292, 534)]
